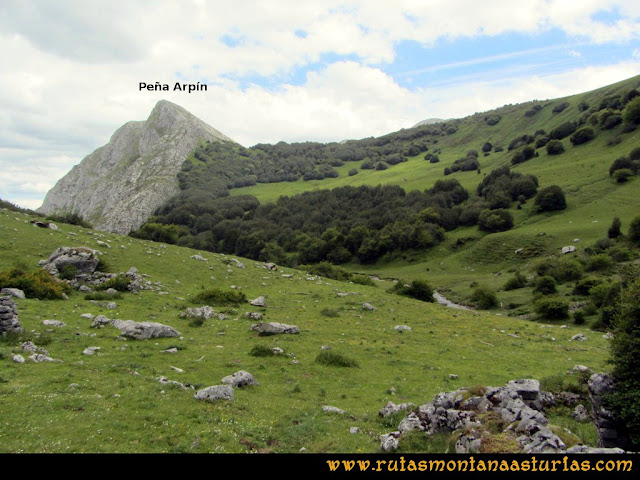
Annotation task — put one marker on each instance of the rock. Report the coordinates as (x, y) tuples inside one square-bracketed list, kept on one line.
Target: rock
[(519, 251), (253, 315), (453, 376), (144, 330), (38, 357), (199, 258), (593, 450), (568, 249), (258, 302), (330, 409), (216, 392), (83, 259), (543, 441), (54, 323), (389, 442), (277, 351), (270, 266), (12, 292), (273, 328), (402, 328), (580, 413), (410, 422), (170, 350), (236, 262), (240, 379), (579, 337), (166, 381), (100, 321), (9, 320), (391, 408), (17, 358), (580, 369), (90, 350), (369, 307), (205, 312), (354, 430), (609, 431)]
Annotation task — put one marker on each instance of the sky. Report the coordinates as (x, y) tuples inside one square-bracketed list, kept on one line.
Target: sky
[(285, 70)]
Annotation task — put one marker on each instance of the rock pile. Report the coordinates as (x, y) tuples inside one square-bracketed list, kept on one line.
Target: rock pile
[(518, 407), (9, 321)]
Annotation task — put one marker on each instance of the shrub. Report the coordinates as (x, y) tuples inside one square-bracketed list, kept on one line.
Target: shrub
[(542, 141), (599, 262), (550, 199), (578, 317), (332, 359), (495, 220), (611, 122), (582, 136), (622, 175), (614, 230), (551, 308), (353, 172), (216, 296), (328, 270), (68, 272), (560, 107), (518, 281), (487, 147), (418, 289), (631, 113), (328, 312), (563, 131), (493, 119), (261, 351), (545, 285), (70, 218), (119, 282), (634, 229), (584, 285), (363, 280), (35, 284), (484, 298), (101, 296), (555, 147)]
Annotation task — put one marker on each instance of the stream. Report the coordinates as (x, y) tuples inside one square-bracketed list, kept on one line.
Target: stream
[(444, 301)]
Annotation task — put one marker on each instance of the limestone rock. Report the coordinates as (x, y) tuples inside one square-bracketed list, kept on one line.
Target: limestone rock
[(240, 379), (273, 328), (389, 442), (144, 330), (119, 186), (9, 320), (368, 306), (402, 328), (83, 259), (259, 302), (216, 392), (13, 292), (54, 323), (100, 321), (330, 409), (568, 249), (205, 312), (17, 358), (90, 350)]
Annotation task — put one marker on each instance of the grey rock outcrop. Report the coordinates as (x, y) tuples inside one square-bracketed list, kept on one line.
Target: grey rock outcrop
[(12, 292), (273, 328), (205, 312), (609, 435), (215, 392), (240, 379), (144, 330), (9, 320), (119, 185), (83, 259)]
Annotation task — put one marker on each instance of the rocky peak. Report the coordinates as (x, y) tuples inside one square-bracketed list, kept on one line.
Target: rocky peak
[(119, 186)]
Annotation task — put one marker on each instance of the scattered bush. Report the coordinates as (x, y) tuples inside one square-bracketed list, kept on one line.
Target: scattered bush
[(599, 262), (261, 351), (560, 107), (102, 296), (332, 359), (622, 175), (611, 122), (70, 218), (119, 282), (584, 285), (554, 147), (615, 228), (631, 113), (518, 281), (218, 297), (353, 171), (550, 199), (484, 298), (493, 119), (562, 131), (328, 312), (582, 136), (495, 220), (68, 272), (551, 308), (634, 229), (35, 284), (545, 285), (418, 289)]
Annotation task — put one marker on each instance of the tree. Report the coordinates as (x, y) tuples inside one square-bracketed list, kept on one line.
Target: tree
[(551, 199), (555, 147), (634, 229), (625, 353), (631, 113), (495, 220), (614, 229)]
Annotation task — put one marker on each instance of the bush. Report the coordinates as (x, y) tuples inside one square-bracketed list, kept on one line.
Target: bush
[(584, 286), (634, 229), (418, 289), (578, 317), (631, 113), (493, 119), (353, 172), (551, 308), (611, 122), (554, 147), (545, 285), (71, 219), (495, 220), (68, 272), (622, 175), (119, 282), (101, 296), (35, 284), (484, 298), (218, 297), (550, 199), (599, 262), (562, 131), (329, 358), (560, 107), (615, 228), (261, 351), (328, 312), (582, 136), (518, 281), (328, 270)]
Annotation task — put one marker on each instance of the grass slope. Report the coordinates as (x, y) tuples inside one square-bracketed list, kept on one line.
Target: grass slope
[(113, 402)]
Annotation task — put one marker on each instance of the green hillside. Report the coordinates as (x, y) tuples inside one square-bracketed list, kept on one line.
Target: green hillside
[(113, 401)]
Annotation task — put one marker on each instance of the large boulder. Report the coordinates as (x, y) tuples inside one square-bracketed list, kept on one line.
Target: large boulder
[(83, 259), (215, 392), (144, 330), (240, 379)]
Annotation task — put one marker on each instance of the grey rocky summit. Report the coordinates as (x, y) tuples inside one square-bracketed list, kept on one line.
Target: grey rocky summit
[(119, 186)]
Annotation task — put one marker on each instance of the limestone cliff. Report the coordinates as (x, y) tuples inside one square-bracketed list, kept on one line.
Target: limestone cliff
[(119, 185)]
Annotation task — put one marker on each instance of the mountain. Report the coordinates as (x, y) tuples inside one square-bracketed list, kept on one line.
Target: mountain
[(119, 185)]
